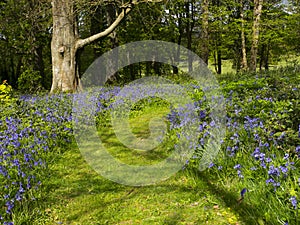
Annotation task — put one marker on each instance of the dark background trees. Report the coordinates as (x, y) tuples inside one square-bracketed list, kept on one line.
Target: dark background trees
[(215, 30)]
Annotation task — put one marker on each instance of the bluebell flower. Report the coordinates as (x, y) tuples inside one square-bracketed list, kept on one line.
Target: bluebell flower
[(8, 223), (283, 169), (242, 195), (238, 166), (6, 196), (244, 190), (211, 165), (273, 171), (297, 150), (240, 175), (270, 181), (276, 184), (268, 160), (256, 153), (293, 200), (10, 205), (286, 156), (18, 196), (256, 136)]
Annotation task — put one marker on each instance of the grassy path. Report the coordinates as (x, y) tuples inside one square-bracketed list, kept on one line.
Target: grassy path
[(78, 195)]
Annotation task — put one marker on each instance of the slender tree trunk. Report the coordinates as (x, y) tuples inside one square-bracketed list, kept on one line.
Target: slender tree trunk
[(266, 59), (39, 63), (177, 54), (219, 56), (255, 33), (244, 64), (217, 52), (205, 37), (189, 34), (261, 58), (111, 16), (97, 24)]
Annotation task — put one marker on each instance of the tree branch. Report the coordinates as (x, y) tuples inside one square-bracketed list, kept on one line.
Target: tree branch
[(125, 10), (82, 42)]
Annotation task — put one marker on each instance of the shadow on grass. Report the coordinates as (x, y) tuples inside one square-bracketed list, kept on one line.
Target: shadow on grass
[(249, 214), (134, 157), (72, 178)]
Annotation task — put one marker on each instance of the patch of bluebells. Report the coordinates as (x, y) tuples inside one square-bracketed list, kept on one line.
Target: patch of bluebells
[(27, 140), (260, 142)]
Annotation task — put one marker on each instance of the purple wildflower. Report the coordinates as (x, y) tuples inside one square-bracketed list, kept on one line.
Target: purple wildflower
[(243, 192), (294, 201)]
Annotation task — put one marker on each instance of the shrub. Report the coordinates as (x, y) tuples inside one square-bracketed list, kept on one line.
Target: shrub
[(5, 93), (30, 81)]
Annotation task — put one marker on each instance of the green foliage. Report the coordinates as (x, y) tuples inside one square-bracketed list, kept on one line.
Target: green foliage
[(32, 133), (262, 137), (30, 82), (5, 94)]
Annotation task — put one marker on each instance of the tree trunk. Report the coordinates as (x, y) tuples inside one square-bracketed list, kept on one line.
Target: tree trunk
[(65, 43), (63, 47), (244, 64), (113, 62), (219, 55), (189, 28), (177, 54), (97, 24), (261, 58), (266, 58), (255, 33), (205, 37)]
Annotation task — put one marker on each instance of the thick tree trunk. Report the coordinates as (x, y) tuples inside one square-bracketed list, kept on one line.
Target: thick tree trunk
[(63, 47), (255, 33), (65, 43)]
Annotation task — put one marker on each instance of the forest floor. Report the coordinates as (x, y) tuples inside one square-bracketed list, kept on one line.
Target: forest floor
[(79, 195)]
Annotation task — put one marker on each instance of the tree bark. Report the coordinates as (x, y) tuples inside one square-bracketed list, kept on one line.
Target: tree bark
[(63, 47), (244, 64), (97, 25), (205, 37), (177, 54), (219, 55), (189, 10), (113, 62), (255, 33), (65, 43)]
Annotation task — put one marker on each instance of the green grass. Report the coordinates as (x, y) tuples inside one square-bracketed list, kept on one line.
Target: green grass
[(284, 61), (78, 195), (139, 124)]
